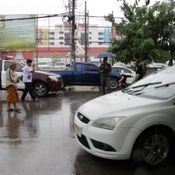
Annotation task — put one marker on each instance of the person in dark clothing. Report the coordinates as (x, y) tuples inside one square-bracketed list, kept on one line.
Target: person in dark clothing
[(140, 67), (105, 70), (28, 70)]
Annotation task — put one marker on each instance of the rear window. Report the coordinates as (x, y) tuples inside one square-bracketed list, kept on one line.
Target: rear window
[(7, 65)]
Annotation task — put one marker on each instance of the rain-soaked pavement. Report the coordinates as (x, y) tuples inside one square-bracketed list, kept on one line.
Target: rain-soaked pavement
[(40, 141)]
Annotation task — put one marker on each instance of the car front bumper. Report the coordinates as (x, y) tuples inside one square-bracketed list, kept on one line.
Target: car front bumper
[(54, 85), (104, 143)]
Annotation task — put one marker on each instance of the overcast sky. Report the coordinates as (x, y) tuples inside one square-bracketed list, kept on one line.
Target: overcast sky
[(95, 7)]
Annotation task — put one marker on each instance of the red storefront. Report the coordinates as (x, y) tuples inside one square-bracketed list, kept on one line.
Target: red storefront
[(50, 52)]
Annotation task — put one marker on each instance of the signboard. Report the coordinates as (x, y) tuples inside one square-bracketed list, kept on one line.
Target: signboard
[(17, 33), (43, 37)]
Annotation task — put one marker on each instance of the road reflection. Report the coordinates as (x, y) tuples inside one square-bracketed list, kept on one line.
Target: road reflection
[(12, 124), (86, 164)]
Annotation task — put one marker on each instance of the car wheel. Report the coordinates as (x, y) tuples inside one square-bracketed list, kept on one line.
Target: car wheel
[(152, 148), (113, 83), (40, 89)]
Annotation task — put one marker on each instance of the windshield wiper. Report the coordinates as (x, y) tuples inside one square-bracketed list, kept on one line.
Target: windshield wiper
[(165, 85), (131, 89), (147, 84)]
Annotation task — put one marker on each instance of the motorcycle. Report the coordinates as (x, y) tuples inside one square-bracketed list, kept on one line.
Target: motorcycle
[(122, 83)]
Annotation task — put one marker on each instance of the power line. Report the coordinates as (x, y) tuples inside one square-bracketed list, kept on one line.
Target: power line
[(34, 17)]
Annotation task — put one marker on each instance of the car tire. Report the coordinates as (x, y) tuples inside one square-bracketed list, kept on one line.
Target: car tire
[(152, 148), (40, 89), (113, 83)]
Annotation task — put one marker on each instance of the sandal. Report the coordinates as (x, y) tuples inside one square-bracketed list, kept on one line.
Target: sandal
[(17, 110), (10, 110)]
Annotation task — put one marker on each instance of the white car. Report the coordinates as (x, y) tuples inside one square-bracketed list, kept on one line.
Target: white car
[(137, 122), (60, 66), (44, 64), (122, 69)]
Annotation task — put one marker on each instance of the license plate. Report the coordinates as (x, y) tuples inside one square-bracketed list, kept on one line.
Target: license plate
[(77, 130)]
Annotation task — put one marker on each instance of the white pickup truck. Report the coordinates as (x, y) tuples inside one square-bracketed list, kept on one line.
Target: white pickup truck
[(43, 82)]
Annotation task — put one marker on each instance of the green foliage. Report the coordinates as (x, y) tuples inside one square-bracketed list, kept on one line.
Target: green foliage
[(147, 30), (55, 58)]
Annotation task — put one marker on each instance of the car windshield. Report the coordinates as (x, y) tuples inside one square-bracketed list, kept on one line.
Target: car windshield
[(157, 86)]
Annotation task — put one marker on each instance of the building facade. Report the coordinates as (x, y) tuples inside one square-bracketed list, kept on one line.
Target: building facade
[(59, 38)]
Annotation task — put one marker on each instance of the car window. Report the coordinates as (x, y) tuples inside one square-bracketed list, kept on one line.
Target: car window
[(19, 68), (126, 71), (91, 68), (120, 69), (116, 69), (7, 65), (0, 65), (78, 67)]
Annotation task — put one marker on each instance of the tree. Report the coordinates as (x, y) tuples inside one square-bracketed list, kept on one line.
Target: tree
[(55, 58), (147, 31)]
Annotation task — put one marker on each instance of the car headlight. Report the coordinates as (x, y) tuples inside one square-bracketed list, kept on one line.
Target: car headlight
[(53, 77), (106, 123)]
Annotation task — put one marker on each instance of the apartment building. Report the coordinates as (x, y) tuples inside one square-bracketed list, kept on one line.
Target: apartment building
[(60, 36)]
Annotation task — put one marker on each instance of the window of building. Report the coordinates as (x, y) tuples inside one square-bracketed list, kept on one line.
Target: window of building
[(100, 33), (100, 38), (61, 38), (67, 38), (52, 33), (52, 43), (51, 38), (61, 43), (61, 32), (100, 43)]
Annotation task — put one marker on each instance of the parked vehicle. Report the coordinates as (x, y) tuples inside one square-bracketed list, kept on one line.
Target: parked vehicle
[(44, 64), (43, 82), (60, 66), (127, 71), (137, 122), (85, 74)]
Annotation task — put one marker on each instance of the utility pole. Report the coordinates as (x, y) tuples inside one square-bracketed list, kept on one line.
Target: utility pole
[(73, 32), (171, 37), (86, 34)]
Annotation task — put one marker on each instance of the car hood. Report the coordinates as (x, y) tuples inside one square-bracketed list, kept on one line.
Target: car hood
[(116, 104), (47, 73)]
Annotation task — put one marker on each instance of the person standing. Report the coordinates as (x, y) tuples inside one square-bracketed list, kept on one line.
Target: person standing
[(105, 70), (28, 70), (11, 80), (140, 67)]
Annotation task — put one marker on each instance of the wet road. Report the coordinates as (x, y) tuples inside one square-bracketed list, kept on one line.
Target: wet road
[(40, 141)]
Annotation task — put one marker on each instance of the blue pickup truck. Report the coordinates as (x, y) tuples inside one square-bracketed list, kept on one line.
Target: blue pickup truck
[(82, 73)]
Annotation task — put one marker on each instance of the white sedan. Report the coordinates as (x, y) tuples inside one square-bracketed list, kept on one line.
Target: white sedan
[(122, 69), (137, 122)]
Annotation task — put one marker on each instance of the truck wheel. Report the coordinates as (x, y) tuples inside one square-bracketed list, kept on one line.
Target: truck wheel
[(40, 89), (113, 83), (152, 148)]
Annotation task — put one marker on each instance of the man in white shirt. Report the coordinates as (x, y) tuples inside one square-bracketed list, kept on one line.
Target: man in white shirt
[(28, 69)]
